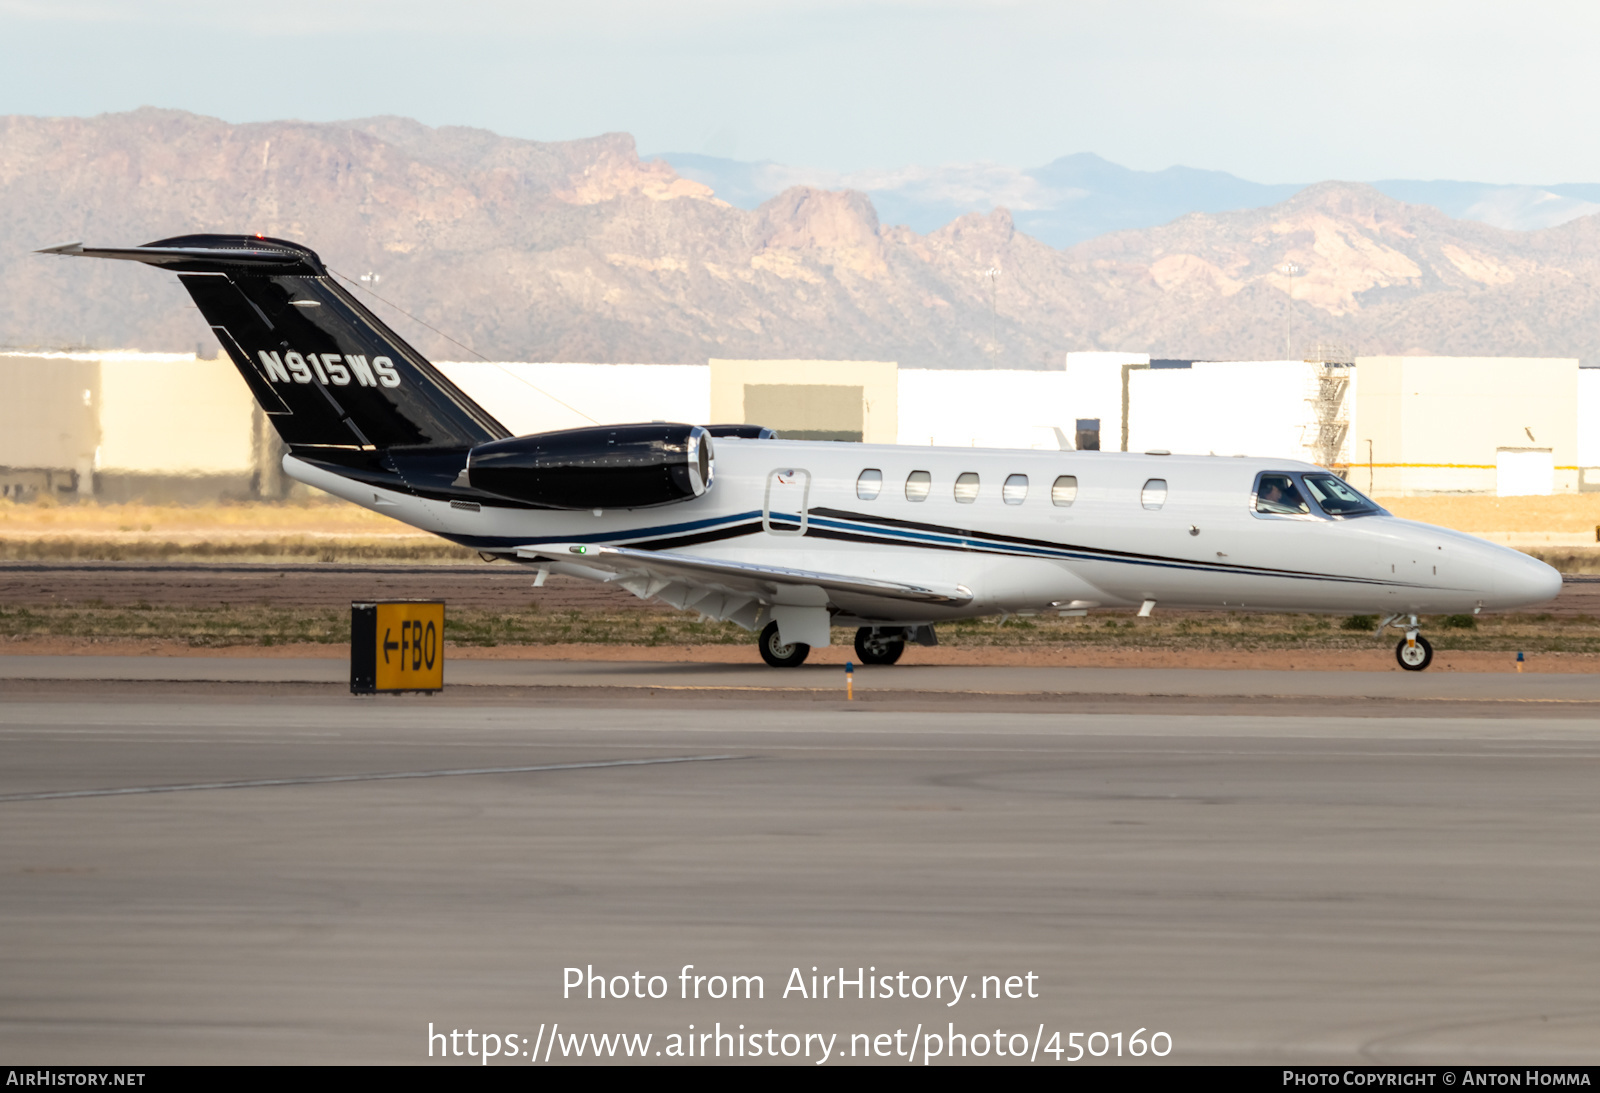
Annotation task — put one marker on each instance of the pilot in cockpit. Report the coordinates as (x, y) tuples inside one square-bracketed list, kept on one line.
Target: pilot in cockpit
[(1278, 495)]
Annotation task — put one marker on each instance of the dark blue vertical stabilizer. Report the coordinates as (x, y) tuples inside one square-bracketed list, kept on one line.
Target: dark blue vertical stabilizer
[(328, 373)]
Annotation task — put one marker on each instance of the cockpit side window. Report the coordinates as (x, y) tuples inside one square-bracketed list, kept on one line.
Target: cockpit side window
[(1336, 497), (1277, 495)]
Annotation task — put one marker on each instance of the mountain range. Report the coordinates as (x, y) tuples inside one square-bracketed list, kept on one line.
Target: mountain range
[(1078, 197), (580, 250)]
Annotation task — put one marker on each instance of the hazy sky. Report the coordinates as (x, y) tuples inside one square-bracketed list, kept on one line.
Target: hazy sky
[(1273, 90)]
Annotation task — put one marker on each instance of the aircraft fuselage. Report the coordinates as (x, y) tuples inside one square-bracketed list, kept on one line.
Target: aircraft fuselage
[(1117, 540)]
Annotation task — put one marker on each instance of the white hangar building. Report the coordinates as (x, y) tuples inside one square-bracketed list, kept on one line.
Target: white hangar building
[(1393, 425), (121, 425)]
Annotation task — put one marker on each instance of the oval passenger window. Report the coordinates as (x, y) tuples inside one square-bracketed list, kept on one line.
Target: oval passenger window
[(1154, 494), (918, 483), (1065, 491), (966, 488), (1015, 491), (870, 484)]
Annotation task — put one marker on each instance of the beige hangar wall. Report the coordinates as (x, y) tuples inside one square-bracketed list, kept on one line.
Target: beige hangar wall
[(863, 403), (49, 422), (1445, 424)]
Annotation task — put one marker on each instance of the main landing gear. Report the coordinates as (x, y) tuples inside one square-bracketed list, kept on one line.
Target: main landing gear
[(1414, 653), (776, 653), (875, 645)]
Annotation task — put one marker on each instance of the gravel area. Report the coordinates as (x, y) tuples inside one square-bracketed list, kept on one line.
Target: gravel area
[(482, 585)]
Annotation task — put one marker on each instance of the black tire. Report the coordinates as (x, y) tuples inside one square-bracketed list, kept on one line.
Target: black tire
[(884, 651), (1420, 662), (779, 655)]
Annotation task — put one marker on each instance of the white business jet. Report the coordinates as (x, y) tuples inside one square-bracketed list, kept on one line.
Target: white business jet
[(791, 538)]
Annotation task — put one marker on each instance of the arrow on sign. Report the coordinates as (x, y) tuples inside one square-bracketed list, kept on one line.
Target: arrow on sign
[(387, 645)]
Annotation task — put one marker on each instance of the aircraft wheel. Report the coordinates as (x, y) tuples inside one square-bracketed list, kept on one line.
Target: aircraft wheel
[(777, 654), (875, 648), (1414, 658)]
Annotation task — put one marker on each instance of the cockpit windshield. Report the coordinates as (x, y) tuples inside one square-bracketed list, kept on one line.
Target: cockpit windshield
[(1337, 497), (1278, 495)]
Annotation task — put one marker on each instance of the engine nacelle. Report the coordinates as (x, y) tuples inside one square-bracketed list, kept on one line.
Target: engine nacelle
[(601, 467)]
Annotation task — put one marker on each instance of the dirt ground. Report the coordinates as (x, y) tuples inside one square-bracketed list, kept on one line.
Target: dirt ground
[(325, 516), (1561, 513), (1558, 530), (500, 585), (123, 609), (201, 595)]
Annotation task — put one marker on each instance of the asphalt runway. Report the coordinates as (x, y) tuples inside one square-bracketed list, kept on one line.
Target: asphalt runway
[(1309, 887), (829, 680)]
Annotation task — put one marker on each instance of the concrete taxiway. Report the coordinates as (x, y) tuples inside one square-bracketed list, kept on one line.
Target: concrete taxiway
[(271, 871)]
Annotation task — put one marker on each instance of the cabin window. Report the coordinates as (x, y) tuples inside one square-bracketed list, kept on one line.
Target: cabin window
[(1277, 495), (1154, 494), (1065, 491), (918, 483), (966, 488), (1015, 491), (869, 484)]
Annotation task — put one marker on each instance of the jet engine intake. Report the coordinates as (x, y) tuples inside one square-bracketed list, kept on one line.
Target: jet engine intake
[(601, 467)]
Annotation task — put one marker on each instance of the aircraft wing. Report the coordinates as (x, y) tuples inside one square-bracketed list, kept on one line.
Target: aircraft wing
[(659, 568)]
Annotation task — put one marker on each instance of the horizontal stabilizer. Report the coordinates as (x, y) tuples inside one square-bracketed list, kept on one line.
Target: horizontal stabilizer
[(742, 577), (263, 255)]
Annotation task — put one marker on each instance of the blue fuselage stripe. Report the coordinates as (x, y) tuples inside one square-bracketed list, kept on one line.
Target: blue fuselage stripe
[(1087, 554), (896, 536)]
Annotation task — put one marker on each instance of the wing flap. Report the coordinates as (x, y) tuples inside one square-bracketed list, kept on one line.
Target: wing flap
[(738, 578)]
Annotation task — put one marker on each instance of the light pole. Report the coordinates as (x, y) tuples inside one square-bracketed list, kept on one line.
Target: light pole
[(1288, 269), (993, 273)]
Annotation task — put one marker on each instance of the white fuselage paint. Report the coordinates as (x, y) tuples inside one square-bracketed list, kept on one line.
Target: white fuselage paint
[(1203, 548)]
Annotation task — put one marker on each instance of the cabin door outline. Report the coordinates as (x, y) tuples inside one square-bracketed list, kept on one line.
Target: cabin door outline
[(783, 506)]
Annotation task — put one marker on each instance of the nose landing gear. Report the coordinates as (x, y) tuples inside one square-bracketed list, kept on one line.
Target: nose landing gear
[(1413, 653)]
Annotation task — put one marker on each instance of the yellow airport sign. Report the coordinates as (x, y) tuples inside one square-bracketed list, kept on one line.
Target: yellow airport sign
[(396, 645)]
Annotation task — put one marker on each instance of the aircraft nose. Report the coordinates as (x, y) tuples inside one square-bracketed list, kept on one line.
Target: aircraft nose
[(1521, 581)]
